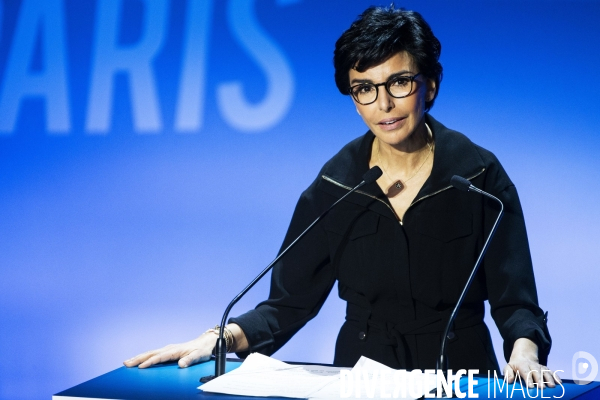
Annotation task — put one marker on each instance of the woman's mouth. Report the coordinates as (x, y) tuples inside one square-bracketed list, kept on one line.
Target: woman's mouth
[(391, 123)]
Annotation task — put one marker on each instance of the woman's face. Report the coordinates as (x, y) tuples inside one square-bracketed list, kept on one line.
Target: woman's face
[(394, 120)]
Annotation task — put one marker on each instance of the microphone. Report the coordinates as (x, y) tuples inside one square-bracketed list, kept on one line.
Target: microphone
[(463, 184), (221, 348), (369, 177)]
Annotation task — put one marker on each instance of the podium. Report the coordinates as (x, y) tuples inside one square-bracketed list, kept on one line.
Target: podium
[(168, 381)]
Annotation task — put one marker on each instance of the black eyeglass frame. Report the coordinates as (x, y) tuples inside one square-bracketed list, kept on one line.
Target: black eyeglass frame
[(387, 85)]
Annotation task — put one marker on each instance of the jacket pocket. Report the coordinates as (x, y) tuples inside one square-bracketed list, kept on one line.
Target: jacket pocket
[(356, 252), (364, 226), (445, 227)]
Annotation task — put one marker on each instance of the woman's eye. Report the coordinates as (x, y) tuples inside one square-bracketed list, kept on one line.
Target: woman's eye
[(400, 82), (364, 89)]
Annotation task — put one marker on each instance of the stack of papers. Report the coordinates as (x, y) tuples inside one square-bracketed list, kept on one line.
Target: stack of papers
[(264, 376)]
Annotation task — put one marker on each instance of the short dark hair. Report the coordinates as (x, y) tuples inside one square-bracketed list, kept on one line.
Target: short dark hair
[(378, 34)]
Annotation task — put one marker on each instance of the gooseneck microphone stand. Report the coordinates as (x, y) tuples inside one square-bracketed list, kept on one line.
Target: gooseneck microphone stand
[(464, 185), (221, 347)]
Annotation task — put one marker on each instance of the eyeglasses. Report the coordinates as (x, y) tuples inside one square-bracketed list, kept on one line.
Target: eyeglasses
[(397, 86)]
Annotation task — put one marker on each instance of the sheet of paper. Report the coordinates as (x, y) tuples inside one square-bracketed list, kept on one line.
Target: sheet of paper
[(375, 381), (264, 376)]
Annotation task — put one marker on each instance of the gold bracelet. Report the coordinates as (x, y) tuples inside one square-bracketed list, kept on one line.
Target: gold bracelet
[(227, 335), (228, 339)]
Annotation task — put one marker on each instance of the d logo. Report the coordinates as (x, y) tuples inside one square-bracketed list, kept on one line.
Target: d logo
[(583, 362)]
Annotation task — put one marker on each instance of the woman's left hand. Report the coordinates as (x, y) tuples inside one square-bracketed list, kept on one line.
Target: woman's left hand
[(524, 360)]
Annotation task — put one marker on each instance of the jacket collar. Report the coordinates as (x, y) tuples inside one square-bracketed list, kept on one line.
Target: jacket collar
[(455, 154)]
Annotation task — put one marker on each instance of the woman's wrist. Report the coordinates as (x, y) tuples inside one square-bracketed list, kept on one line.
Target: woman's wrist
[(240, 342), (234, 336), (227, 336)]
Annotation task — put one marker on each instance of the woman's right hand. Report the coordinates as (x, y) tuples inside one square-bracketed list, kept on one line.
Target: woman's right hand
[(188, 353)]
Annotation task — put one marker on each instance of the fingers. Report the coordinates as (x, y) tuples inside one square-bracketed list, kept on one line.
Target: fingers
[(557, 378), (542, 376), (530, 374), (534, 375), (509, 374), (140, 358), (188, 354), (162, 357), (194, 357), (548, 377)]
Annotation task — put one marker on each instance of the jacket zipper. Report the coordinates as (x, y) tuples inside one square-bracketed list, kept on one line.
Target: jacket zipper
[(441, 190), (328, 179)]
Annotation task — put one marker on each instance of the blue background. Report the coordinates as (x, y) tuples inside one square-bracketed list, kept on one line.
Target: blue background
[(126, 234)]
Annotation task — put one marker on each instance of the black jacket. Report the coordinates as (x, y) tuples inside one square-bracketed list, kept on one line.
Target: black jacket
[(401, 279)]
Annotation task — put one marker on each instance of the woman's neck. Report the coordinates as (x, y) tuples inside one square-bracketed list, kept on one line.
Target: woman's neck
[(406, 156)]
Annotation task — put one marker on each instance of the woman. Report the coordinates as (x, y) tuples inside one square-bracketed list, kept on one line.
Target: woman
[(402, 248)]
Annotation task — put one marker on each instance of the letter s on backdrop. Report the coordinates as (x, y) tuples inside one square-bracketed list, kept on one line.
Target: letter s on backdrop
[(233, 106)]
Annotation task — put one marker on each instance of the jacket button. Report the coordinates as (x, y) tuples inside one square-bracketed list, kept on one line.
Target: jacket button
[(362, 335), (451, 336)]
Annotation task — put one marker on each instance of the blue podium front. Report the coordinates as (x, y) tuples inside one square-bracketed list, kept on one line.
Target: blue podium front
[(168, 382)]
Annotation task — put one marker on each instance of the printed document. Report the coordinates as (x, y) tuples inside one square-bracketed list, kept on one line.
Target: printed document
[(264, 376)]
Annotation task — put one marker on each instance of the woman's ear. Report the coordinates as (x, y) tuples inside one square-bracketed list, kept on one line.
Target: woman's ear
[(431, 90)]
